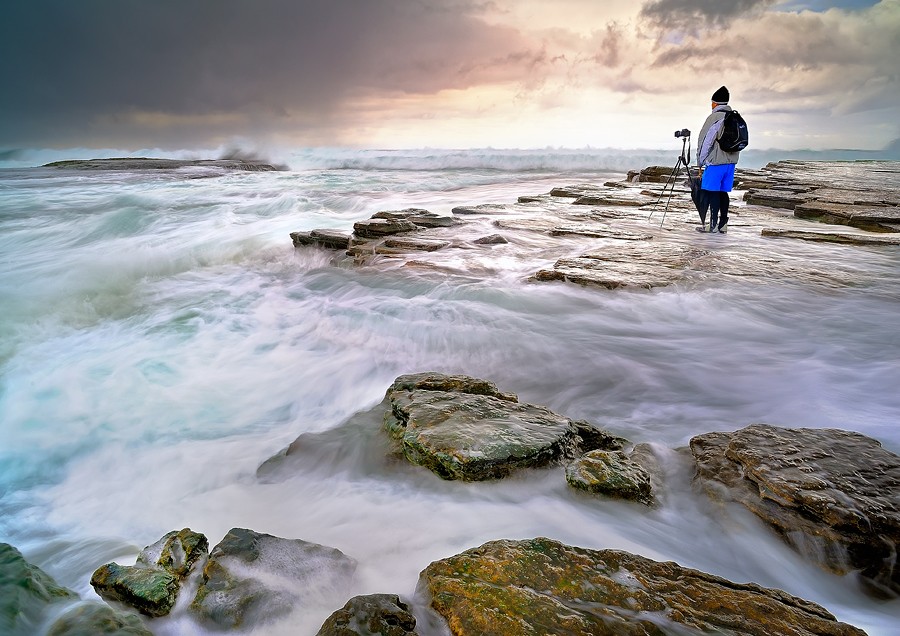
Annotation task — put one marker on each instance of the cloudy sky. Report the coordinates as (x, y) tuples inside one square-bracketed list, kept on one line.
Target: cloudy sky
[(444, 73)]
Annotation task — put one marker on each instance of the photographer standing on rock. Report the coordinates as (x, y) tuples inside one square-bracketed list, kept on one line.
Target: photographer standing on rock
[(716, 166)]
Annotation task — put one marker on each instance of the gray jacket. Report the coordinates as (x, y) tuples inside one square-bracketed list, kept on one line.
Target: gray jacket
[(709, 153)]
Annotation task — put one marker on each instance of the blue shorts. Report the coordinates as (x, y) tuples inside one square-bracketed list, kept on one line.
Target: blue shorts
[(718, 178)]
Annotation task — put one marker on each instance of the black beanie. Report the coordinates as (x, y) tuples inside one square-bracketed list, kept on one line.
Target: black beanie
[(721, 96)]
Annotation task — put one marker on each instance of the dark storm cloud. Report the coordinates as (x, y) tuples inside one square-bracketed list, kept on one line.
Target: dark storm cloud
[(698, 14), (71, 66)]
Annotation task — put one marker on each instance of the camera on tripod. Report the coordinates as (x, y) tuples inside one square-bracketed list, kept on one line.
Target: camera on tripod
[(684, 132)]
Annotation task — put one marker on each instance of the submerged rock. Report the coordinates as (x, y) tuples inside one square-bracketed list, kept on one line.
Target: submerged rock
[(574, 191), (484, 208), (415, 244), (608, 199), (151, 585), (251, 578), (371, 615), (626, 266), (610, 473), (599, 231), (541, 586), (26, 591), (94, 619), (833, 494), (491, 239), (465, 428), (831, 237)]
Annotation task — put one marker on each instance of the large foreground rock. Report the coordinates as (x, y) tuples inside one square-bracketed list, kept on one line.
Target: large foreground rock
[(251, 578), (833, 494), (461, 427), (541, 586), (26, 591), (151, 591), (371, 615), (151, 585)]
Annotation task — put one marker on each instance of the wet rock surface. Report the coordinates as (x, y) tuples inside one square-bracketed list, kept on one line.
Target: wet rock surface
[(252, 578), (26, 592), (371, 615), (610, 473), (151, 591), (541, 586), (833, 494), (465, 428), (176, 552), (639, 232), (94, 619), (833, 237), (151, 585), (323, 238)]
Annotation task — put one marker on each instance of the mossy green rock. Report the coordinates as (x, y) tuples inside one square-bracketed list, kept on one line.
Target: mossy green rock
[(610, 473), (540, 586), (371, 615), (152, 591), (25, 592), (94, 619), (151, 585), (465, 428)]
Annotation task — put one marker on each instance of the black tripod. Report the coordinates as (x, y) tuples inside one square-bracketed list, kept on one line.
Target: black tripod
[(684, 162)]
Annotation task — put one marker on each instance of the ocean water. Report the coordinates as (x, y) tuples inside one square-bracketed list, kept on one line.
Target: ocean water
[(160, 338)]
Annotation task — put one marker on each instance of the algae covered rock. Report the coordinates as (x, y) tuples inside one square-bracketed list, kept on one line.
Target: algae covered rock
[(371, 615), (833, 494), (151, 591), (610, 473), (151, 585), (252, 578), (94, 619), (541, 586), (465, 428), (25, 592)]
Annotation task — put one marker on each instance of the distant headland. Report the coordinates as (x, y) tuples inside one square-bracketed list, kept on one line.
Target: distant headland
[(143, 163)]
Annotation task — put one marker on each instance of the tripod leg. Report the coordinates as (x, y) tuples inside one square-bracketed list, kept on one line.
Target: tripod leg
[(670, 183), (674, 179)]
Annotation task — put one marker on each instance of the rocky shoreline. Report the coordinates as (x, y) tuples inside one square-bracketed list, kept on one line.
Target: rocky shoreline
[(832, 495), (635, 233)]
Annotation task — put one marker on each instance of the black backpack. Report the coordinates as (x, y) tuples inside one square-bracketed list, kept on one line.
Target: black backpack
[(734, 132)]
